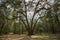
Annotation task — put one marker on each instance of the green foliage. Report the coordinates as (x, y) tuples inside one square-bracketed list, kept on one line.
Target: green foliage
[(6, 30), (14, 10)]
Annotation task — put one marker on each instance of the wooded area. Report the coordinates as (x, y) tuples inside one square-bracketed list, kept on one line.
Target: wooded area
[(29, 17)]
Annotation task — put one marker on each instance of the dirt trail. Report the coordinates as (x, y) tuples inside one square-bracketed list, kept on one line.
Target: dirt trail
[(25, 37), (12, 37)]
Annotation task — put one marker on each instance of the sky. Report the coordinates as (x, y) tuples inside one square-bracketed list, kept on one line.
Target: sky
[(48, 0), (30, 14)]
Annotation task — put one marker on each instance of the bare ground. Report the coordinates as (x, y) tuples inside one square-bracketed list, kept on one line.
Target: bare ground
[(33, 37)]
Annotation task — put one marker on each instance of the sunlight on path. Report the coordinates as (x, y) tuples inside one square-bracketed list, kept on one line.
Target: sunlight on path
[(39, 36)]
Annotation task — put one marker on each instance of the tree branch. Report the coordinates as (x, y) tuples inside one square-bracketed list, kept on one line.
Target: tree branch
[(36, 23), (26, 12), (24, 24), (34, 13)]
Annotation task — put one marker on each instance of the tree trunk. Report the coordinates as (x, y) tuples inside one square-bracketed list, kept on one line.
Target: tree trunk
[(30, 32)]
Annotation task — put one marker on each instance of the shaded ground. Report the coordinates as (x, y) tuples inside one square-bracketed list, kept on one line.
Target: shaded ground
[(33, 37)]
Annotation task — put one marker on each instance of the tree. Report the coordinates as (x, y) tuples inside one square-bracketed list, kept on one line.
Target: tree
[(51, 17), (24, 9), (32, 6)]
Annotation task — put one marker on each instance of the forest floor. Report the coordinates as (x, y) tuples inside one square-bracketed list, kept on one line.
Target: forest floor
[(33, 37)]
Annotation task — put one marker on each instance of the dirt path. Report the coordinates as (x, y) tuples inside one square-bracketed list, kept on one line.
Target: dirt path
[(12, 37), (24, 37)]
